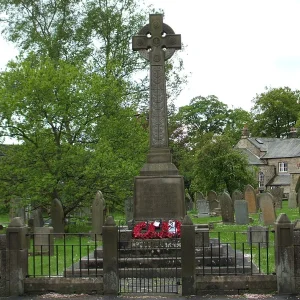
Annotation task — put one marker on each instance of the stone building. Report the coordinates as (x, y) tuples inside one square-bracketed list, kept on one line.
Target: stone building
[(276, 160)]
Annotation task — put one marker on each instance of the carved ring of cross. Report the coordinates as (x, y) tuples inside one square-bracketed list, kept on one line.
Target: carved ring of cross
[(145, 30)]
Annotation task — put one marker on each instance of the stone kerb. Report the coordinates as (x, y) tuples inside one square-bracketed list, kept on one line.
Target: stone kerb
[(284, 255)]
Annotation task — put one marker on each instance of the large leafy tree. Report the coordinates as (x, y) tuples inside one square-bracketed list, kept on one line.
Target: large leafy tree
[(275, 112), (195, 125), (71, 101)]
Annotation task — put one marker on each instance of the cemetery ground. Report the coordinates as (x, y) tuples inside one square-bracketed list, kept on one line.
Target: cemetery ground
[(78, 242)]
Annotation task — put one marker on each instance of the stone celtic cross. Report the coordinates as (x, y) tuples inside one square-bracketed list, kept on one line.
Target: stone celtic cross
[(157, 42)]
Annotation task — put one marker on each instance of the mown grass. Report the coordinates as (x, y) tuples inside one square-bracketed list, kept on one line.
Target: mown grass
[(236, 236), (67, 250)]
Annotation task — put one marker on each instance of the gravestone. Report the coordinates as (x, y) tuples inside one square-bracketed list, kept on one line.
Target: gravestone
[(237, 195), (189, 203), (213, 200), (198, 196), (129, 209), (250, 197), (258, 235), (277, 194), (17, 209), (292, 202), (159, 190), (202, 208), (267, 208), (97, 215), (241, 212), (226, 208), (43, 240), (37, 217), (57, 217)]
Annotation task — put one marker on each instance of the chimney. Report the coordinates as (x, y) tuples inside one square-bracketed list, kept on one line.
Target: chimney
[(245, 132), (293, 133)]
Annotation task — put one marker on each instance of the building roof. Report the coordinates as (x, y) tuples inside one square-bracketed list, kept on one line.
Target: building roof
[(252, 158), (282, 179), (277, 148)]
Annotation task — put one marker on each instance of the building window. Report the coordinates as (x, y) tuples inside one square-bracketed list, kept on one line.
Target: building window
[(261, 179), (282, 167)]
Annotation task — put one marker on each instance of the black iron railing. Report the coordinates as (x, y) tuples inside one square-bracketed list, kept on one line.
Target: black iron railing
[(236, 253), (64, 255)]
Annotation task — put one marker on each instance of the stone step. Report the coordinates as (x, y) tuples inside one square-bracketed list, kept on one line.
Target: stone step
[(156, 262), (161, 272)]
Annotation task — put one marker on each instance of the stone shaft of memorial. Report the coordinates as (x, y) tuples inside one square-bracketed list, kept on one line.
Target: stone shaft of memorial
[(157, 43)]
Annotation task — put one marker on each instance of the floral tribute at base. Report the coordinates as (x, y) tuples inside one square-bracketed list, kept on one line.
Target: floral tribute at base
[(157, 230)]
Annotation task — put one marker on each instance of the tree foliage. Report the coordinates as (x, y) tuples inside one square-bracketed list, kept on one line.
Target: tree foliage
[(71, 100), (196, 125), (275, 112), (220, 167)]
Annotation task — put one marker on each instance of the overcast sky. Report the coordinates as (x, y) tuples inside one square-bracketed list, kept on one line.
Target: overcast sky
[(234, 48)]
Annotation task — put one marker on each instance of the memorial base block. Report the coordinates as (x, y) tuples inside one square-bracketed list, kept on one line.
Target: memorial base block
[(159, 197)]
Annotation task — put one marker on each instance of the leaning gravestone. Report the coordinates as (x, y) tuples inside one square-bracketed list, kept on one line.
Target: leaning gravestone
[(226, 208), (241, 212), (250, 197), (97, 215), (57, 217), (213, 200), (277, 194), (159, 190), (267, 208), (202, 208)]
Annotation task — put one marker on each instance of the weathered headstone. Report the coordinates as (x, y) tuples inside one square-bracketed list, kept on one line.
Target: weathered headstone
[(198, 196), (258, 235), (129, 209), (226, 208), (250, 197), (277, 194), (267, 208), (202, 208), (237, 195), (57, 217), (43, 240), (37, 217), (292, 202), (17, 209), (97, 214), (213, 200), (241, 212), (189, 203), (159, 190)]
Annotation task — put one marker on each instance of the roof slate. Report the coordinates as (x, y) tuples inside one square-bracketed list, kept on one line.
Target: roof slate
[(277, 148), (252, 158)]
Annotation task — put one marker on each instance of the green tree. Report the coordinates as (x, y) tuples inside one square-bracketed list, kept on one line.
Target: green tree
[(220, 167), (275, 112), (73, 141)]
